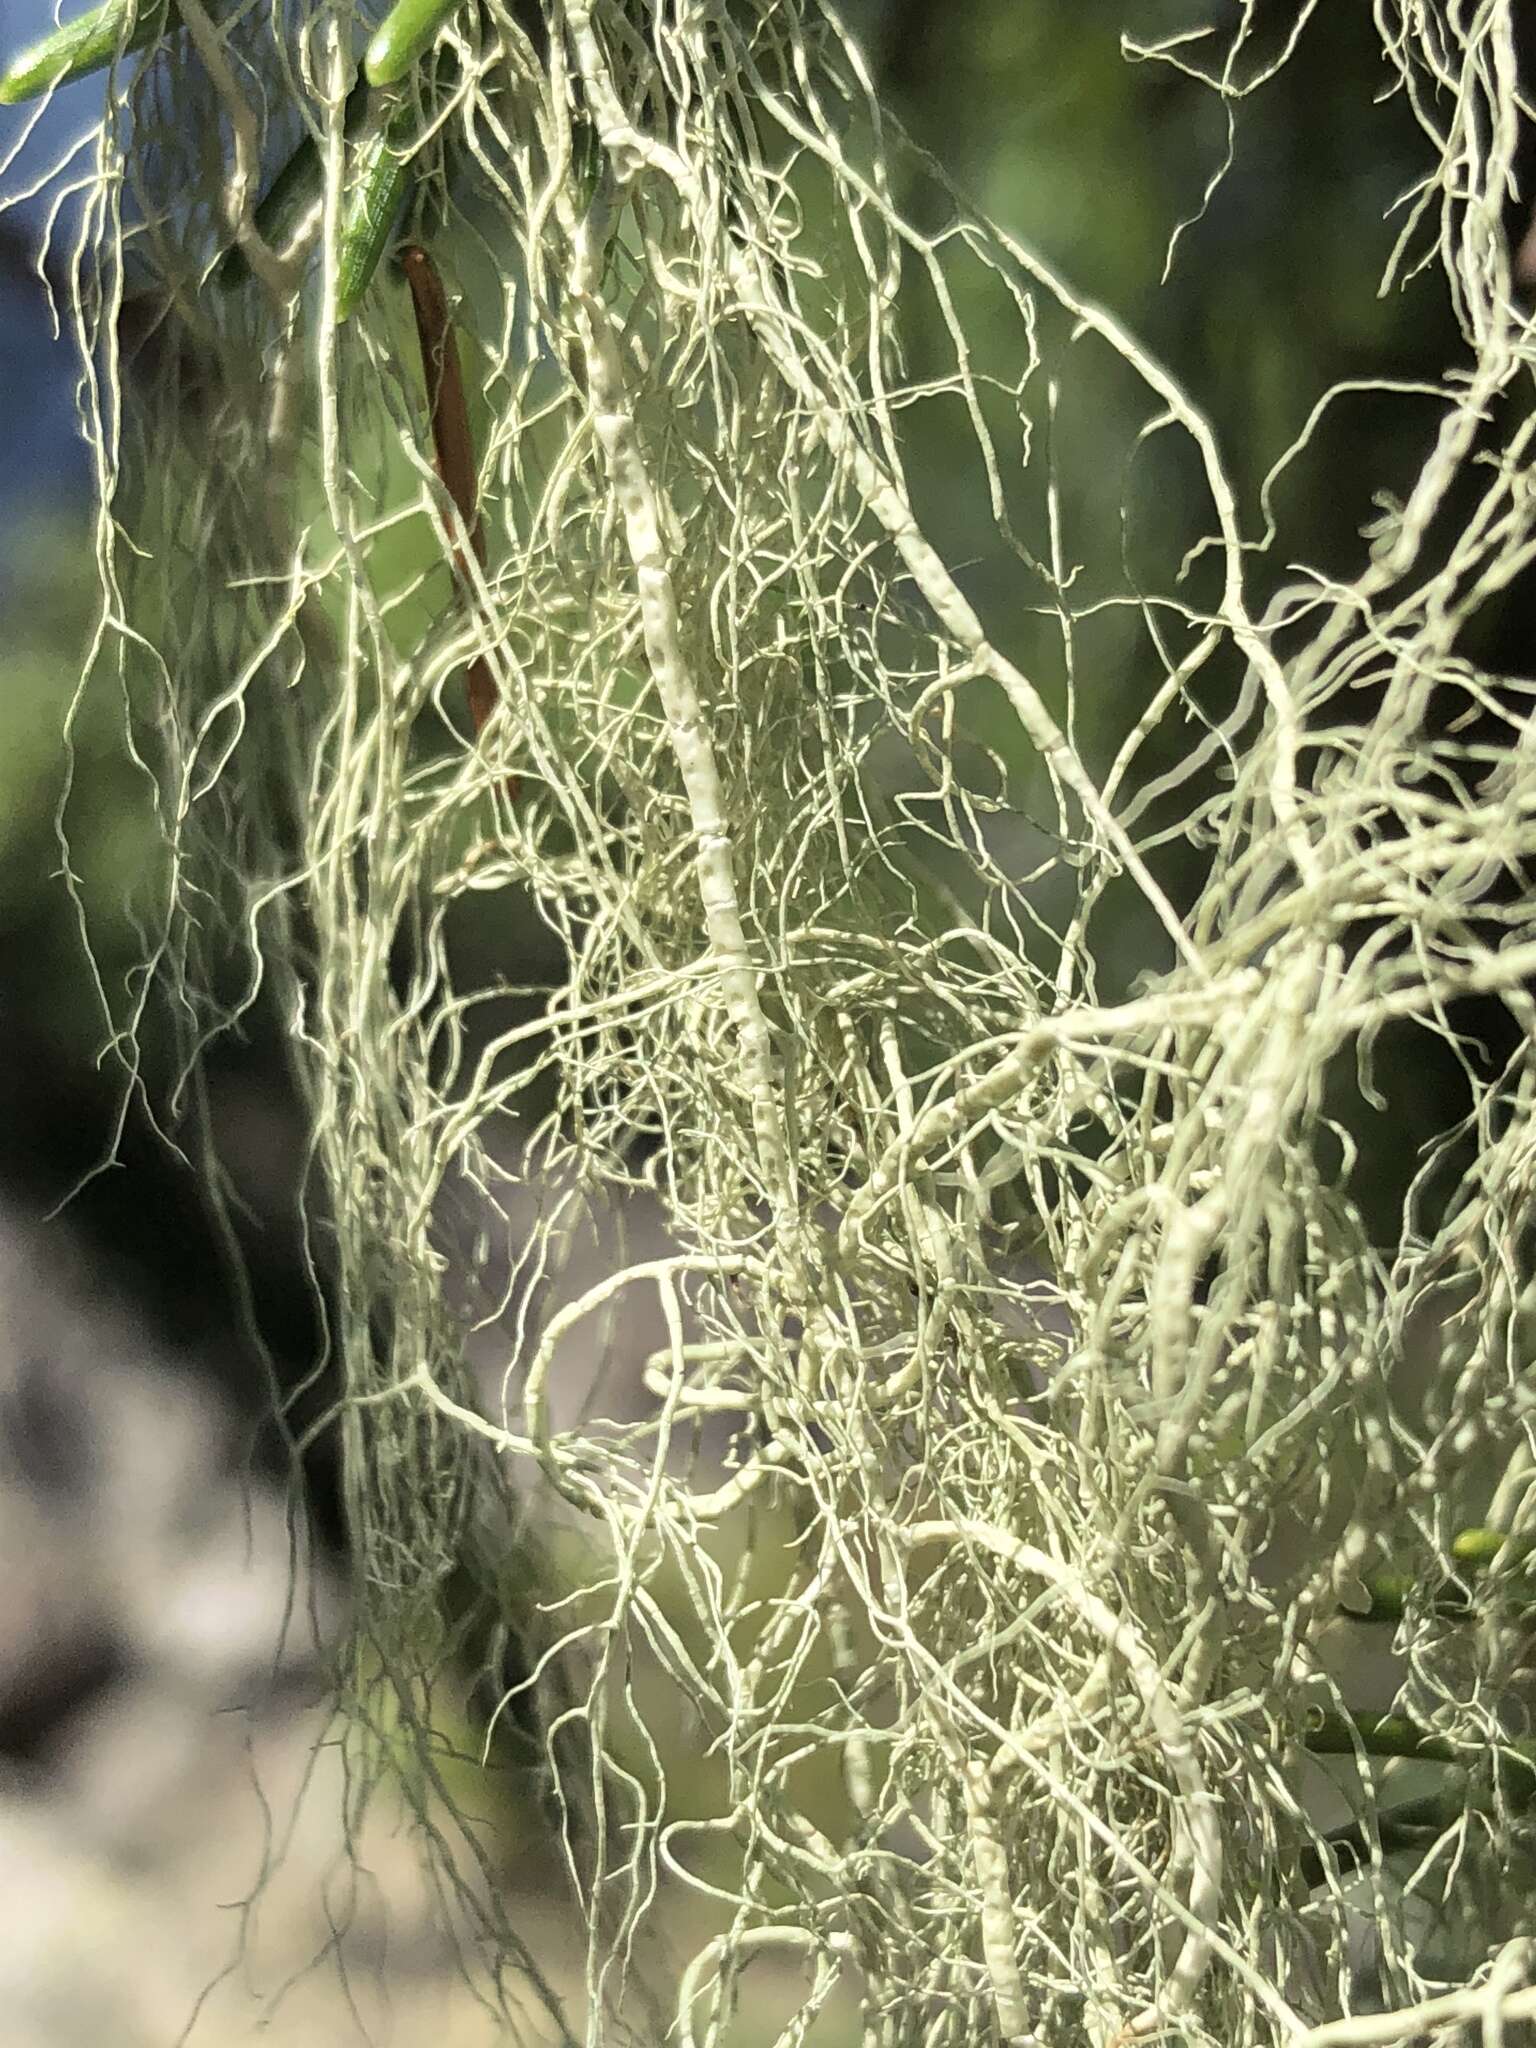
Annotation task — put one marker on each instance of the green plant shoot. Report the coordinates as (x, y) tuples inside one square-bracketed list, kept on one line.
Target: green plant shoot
[(409, 28), (378, 184), (82, 46)]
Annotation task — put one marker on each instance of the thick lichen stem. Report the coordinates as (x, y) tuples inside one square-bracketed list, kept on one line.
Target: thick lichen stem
[(687, 724)]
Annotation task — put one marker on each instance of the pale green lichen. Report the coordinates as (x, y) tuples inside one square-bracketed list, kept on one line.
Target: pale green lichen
[(1032, 1303)]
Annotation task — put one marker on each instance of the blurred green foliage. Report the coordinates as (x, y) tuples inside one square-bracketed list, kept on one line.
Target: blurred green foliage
[(73, 820)]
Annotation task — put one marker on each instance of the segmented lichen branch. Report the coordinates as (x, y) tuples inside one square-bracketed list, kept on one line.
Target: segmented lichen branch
[(687, 723)]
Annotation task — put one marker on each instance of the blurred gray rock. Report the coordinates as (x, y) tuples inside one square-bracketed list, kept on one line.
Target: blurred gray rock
[(180, 1833)]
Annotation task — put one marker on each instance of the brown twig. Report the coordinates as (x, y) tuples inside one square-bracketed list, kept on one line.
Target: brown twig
[(451, 440)]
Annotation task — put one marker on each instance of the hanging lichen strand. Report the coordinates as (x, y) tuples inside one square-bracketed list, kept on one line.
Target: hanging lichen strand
[(1023, 1400)]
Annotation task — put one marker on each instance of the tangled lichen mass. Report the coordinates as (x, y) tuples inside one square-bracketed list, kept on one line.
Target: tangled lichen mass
[(978, 1172)]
